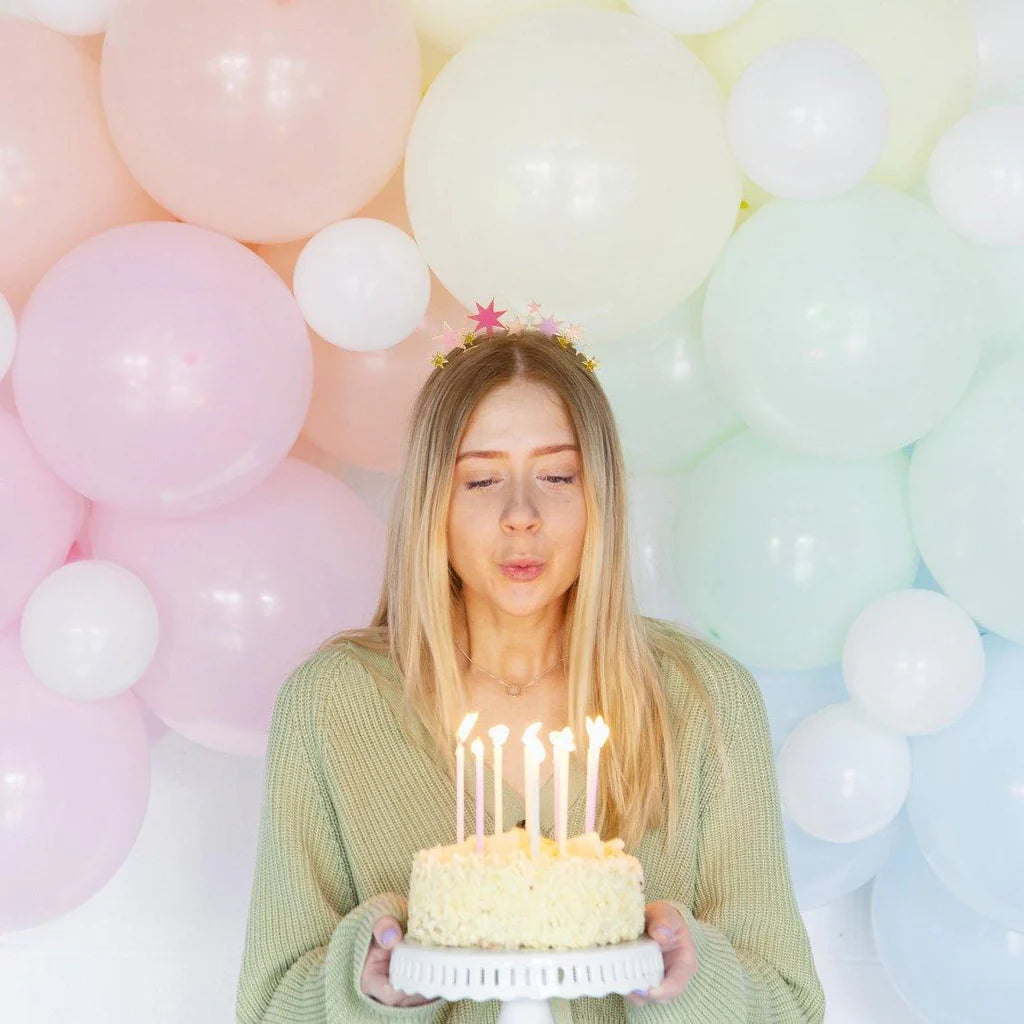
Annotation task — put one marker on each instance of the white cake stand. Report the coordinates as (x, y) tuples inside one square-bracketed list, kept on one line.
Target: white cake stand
[(524, 980)]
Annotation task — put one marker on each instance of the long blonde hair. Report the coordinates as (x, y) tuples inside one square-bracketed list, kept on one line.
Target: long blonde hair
[(612, 652)]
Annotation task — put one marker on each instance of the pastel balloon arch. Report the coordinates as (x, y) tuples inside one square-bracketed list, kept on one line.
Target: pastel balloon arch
[(792, 234)]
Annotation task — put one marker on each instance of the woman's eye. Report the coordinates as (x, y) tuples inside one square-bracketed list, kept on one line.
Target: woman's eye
[(478, 483), (562, 481)]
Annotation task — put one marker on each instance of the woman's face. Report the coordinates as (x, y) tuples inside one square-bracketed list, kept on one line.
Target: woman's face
[(517, 502)]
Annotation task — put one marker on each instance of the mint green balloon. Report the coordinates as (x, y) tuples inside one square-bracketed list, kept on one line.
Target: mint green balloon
[(847, 326), (668, 410), (966, 491), (775, 553)]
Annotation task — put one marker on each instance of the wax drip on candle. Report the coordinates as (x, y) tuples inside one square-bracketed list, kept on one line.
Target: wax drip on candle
[(460, 775)]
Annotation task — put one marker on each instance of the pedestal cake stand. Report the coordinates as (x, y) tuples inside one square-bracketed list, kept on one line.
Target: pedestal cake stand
[(524, 980)]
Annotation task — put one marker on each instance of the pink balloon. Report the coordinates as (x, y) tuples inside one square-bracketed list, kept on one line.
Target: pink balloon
[(75, 795), (39, 518), (244, 593), (162, 368), (266, 121), (62, 180)]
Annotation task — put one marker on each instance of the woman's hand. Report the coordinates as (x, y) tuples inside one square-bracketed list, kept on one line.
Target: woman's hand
[(668, 928), (387, 933)]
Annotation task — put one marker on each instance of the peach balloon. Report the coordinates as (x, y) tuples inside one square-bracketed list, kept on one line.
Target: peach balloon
[(62, 180), (265, 121)]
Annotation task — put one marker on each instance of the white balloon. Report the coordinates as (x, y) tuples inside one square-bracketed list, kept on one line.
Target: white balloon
[(362, 284), (691, 16), (841, 776), (808, 119), (914, 661), (8, 335), (90, 629), (999, 27), (976, 175), (72, 17)]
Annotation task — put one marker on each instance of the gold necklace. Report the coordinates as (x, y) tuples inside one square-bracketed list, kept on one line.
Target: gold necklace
[(511, 689)]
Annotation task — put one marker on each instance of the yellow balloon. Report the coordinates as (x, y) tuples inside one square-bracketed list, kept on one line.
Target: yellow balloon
[(577, 158), (924, 51)]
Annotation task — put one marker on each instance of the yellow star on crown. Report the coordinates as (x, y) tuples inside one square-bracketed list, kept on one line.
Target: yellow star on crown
[(563, 340), (469, 338), (438, 359), (591, 363)]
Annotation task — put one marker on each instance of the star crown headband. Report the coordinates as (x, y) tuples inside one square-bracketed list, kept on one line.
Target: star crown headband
[(488, 319)]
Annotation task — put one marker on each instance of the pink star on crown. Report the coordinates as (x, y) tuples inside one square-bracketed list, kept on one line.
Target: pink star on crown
[(549, 326), (487, 317), (533, 308), (448, 336)]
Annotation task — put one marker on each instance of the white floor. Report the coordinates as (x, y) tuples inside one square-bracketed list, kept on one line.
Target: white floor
[(161, 942)]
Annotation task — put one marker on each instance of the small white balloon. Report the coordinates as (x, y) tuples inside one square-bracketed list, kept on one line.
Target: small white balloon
[(691, 17), (808, 119), (90, 629), (999, 27), (362, 284), (976, 175), (8, 335), (841, 776), (913, 660), (72, 17)]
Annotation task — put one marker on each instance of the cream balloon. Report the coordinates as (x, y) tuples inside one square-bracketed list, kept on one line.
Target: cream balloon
[(577, 158), (362, 284), (913, 661), (691, 16), (90, 629), (842, 777), (924, 52), (807, 119), (72, 17)]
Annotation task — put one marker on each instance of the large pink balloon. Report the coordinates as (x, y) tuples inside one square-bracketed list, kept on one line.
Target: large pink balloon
[(74, 795), (266, 121), (244, 594), (61, 179), (39, 518), (162, 368)]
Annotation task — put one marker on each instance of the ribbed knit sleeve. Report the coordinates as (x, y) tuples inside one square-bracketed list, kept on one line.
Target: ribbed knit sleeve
[(306, 938), (755, 963)]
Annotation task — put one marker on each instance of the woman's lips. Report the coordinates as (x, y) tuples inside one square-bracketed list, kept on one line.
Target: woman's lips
[(523, 572)]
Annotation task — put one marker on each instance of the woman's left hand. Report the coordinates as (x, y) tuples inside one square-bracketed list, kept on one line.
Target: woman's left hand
[(668, 928)]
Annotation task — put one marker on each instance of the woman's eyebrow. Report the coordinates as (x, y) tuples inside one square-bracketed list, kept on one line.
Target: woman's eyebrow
[(490, 453)]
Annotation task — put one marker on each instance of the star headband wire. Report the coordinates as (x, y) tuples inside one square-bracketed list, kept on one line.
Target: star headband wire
[(488, 318)]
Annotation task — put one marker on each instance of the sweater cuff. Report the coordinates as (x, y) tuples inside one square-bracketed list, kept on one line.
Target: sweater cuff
[(346, 954)]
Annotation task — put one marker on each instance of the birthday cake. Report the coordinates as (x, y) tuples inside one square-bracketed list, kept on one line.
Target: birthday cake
[(591, 895)]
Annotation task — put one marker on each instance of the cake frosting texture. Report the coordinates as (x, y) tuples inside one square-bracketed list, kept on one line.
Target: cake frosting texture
[(505, 899)]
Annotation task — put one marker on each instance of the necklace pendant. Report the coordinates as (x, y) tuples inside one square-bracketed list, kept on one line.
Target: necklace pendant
[(513, 690)]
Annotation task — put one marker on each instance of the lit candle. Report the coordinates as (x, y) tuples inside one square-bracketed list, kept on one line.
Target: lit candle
[(499, 734), (533, 757), (597, 731), (460, 775), (561, 744), (478, 755)]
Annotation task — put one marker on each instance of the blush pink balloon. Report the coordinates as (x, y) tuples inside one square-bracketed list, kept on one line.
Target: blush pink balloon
[(76, 789), (266, 121), (39, 518), (61, 179), (244, 594), (162, 368)]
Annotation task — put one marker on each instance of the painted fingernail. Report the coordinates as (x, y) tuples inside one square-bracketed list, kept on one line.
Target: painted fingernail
[(639, 992), (388, 938), (665, 932)]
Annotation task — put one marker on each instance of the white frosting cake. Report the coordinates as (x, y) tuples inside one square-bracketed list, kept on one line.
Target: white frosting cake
[(506, 899)]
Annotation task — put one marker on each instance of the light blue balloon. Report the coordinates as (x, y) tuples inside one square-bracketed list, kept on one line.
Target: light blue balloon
[(951, 964), (790, 697), (966, 800)]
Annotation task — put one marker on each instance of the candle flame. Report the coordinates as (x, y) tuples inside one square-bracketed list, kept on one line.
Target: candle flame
[(597, 730), (467, 725), (530, 732), (535, 749), (563, 739), (499, 734), (477, 746)]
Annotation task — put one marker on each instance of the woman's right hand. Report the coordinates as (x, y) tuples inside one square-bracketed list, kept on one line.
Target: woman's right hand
[(387, 933)]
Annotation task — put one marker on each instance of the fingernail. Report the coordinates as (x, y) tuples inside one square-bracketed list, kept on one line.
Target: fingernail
[(388, 938), (665, 932), (655, 992), (639, 992)]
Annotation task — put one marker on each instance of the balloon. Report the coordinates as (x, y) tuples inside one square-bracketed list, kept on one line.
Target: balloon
[(1002, 301), (607, 189), (39, 517), (924, 53), (807, 119), (162, 368), (76, 787), (669, 411), (362, 284), (8, 336), (966, 803), (74, 17), (841, 776), (63, 181), (221, 110), (976, 175), (999, 28), (966, 492), (920, 926), (913, 661), (90, 629), (244, 593), (694, 16), (774, 554), (872, 332)]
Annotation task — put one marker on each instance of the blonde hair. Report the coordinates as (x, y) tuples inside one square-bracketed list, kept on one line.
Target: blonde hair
[(612, 652)]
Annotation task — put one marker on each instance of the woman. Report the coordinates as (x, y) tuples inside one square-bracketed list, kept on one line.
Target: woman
[(513, 456)]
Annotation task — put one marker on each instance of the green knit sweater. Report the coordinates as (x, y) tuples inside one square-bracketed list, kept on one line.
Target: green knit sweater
[(348, 802)]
